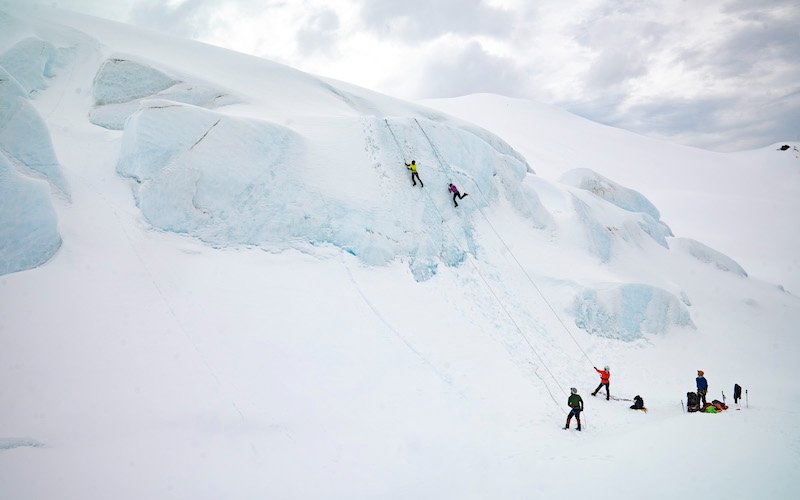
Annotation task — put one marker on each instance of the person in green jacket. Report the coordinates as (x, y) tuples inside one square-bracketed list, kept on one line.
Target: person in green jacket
[(575, 402)]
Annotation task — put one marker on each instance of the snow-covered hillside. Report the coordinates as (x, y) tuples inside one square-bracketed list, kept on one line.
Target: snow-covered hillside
[(744, 204), (217, 280)]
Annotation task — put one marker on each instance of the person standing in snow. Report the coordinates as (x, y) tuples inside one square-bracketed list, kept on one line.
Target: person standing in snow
[(702, 386), (453, 189), (605, 376), (575, 403), (413, 167)]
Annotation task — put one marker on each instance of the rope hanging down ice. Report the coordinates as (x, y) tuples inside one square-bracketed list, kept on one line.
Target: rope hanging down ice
[(513, 256), (485, 281)]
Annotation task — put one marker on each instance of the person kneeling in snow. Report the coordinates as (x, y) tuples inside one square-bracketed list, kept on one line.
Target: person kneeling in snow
[(638, 404), (576, 403)]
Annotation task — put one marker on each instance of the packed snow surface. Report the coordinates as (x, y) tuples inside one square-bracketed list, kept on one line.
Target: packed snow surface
[(217, 280)]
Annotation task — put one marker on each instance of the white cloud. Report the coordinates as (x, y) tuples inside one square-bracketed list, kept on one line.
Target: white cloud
[(664, 68)]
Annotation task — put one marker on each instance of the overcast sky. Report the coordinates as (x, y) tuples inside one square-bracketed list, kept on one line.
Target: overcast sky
[(719, 74)]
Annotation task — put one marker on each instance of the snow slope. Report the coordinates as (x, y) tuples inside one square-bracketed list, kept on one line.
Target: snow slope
[(251, 300), (743, 204)]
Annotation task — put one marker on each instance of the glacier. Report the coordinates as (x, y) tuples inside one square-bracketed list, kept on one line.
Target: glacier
[(29, 234), (239, 181), (629, 311), (121, 84)]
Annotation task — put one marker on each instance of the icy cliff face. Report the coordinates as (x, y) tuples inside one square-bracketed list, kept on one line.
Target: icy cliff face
[(32, 60), (707, 255), (625, 198), (29, 234), (24, 137), (121, 84), (629, 311), (235, 181), (28, 227)]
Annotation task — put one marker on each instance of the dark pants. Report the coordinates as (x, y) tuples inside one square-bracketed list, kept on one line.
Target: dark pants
[(415, 174), (608, 392), (576, 412), (459, 196), (701, 394)]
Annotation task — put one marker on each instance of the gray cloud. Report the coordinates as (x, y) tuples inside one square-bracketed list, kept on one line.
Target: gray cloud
[(720, 74), (745, 57), (424, 19), (319, 32), (189, 19), (470, 70)]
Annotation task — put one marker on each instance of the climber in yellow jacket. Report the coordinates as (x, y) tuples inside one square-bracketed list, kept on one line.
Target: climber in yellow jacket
[(413, 167)]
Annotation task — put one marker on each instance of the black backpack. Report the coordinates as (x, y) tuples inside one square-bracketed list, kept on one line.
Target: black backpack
[(692, 402)]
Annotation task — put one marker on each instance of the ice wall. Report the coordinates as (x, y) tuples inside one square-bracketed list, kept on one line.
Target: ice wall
[(627, 199), (638, 215), (28, 228), (24, 137), (236, 181), (598, 236), (707, 255), (120, 85), (32, 61), (629, 311)]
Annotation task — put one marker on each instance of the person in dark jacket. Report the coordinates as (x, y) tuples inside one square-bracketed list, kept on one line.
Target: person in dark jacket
[(414, 174), (638, 404), (737, 393), (575, 403), (605, 377), (453, 189), (702, 386)]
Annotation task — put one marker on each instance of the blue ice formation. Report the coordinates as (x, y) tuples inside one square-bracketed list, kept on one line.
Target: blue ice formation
[(10, 443), (647, 215), (627, 199), (120, 80), (121, 84), (599, 238), (31, 61), (708, 255), (28, 227), (629, 311), (656, 229), (235, 181), (24, 137)]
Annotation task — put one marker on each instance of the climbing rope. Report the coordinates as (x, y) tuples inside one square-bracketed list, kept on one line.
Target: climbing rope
[(486, 282), (508, 249)]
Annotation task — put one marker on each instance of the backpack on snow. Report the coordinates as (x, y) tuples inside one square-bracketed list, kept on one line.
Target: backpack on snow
[(692, 402)]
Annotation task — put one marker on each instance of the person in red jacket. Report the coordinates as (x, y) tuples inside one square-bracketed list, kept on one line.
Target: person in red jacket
[(605, 375)]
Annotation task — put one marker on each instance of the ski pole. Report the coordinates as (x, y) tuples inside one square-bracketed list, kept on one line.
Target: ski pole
[(747, 398), (723, 397), (682, 408)]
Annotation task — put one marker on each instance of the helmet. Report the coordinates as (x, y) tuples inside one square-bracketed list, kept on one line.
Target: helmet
[(606, 368), (413, 161), (573, 390), (700, 372)]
